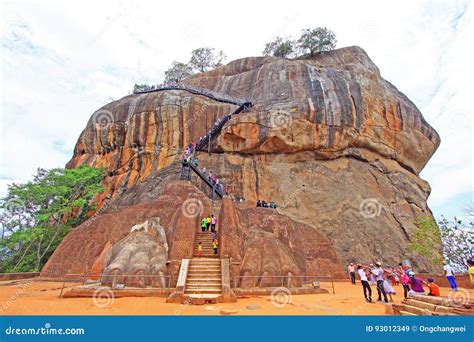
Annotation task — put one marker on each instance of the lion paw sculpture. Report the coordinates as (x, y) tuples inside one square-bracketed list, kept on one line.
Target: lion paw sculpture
[(139, 259)]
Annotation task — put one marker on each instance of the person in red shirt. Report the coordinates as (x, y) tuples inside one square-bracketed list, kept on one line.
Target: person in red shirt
[(434, 289)]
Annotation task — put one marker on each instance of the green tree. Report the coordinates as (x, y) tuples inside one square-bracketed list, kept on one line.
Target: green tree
[(316, 40), (427, 240), (280, 47), (37, 215), (206, 58), (178, 72)]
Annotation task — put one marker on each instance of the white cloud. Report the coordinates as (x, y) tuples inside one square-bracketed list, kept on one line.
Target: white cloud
[(63, 60)]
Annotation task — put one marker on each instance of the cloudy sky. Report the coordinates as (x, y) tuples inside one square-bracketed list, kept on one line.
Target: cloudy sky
[(62, 60)]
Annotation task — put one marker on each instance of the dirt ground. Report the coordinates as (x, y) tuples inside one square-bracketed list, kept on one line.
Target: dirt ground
[(41, 298)]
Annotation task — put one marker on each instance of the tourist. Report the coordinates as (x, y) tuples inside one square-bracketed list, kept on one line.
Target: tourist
[(200, 249), (214, 235), (365, 284), (388, 289), (259, 204), (403, 279), (204, 171), (227, 189), (208, 223), (215, 245), (450, 276), (378, 273), (196, 162), (203, 224), (371, 276), (416, 284), (434, 289), (470, 270), (351, 271), (213, 223)]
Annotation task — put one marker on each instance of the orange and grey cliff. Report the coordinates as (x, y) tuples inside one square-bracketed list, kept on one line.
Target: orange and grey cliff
[(326, 137)]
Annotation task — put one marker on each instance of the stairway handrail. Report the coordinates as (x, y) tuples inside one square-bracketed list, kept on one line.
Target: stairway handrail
[(203, 177), (213, 132), (215, 95)]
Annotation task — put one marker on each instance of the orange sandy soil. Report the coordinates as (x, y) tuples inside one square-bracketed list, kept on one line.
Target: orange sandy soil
[(23, 297)]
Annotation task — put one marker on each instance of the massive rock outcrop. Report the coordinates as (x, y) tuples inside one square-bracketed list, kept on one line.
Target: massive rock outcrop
[(334, 144)]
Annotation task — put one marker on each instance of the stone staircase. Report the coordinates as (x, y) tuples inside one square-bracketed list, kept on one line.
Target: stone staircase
[(421, 305), (206, 239), (204, 280)]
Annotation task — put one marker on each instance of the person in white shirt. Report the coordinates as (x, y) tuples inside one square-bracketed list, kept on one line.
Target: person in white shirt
[(365, 283), (352, 274), (450, 276), (378, 273)]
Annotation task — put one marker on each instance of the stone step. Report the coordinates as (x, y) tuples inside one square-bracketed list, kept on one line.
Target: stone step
[(204, 266), (204, 274), (417, 311), (204, 279), (406, 313), (193, 271), (206, 262), (205, 296), (420, 304), (207, 283), (202, 290)]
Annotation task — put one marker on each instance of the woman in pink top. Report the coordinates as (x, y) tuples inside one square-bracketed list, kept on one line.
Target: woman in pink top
[(403, 279), (213, 223)]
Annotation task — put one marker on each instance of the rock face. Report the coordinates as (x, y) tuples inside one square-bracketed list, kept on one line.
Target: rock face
[(264, 244), (140, 258), (336, 146)]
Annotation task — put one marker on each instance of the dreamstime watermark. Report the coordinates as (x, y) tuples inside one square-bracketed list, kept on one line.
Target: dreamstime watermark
[(459, 118), (47, 329), (370, 31), (459, 298), (196, 115), (280, 297), (103, 297), (104, 118), (16, 30), (370, 208), (18, 292), (12, 204), (191, 31), (280, 119), (192, 207)]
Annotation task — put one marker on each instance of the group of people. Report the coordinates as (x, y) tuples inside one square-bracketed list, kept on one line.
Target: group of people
[(263, 204), (175, 85), (209, 223), (188, 158), (387, 277)]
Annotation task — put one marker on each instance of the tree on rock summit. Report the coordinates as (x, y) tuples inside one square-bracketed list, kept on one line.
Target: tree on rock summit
[(205, 58), (317, 40), (280, 47)]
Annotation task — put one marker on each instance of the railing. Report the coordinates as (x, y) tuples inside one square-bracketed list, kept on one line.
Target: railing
[(288, 281), (215, 95), (163, 280), (216, 129), (185, 174)]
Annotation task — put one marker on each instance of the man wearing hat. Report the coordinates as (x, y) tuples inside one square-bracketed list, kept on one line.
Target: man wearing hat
[(378, 273)]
